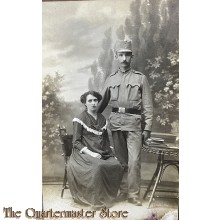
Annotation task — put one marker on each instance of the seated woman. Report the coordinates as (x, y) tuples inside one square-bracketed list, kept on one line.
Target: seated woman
[(94, 174)]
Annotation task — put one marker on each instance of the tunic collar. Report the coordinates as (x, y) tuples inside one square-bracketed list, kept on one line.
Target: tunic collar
[(126, 71)]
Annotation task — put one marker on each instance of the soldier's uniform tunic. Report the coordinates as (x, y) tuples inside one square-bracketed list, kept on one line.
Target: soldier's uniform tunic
[(129, 95)]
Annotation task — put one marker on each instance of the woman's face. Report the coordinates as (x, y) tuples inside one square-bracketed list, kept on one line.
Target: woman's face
[(91, 103)]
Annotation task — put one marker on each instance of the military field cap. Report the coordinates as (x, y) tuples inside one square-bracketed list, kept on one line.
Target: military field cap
[(123, 46)]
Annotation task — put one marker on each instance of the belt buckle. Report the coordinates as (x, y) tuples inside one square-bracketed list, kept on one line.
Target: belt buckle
[(121, 109)]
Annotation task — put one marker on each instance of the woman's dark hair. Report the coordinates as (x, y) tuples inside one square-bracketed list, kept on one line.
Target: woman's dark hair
[(94, 93)]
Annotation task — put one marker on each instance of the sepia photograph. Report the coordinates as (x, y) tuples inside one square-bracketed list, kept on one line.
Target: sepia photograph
[(110, 109)]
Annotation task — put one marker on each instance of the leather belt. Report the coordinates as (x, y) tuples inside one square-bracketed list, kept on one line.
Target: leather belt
[(127, 110)]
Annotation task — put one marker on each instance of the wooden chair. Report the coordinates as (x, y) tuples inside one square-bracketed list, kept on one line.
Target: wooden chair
[(66, 142)]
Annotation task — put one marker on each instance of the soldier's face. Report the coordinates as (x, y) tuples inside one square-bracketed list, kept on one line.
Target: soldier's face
[(124, 59)]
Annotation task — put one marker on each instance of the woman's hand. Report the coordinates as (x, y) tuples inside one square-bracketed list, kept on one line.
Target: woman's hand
[(96, 155), (92, 154)]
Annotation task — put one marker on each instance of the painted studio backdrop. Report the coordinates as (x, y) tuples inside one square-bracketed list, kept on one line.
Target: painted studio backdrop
[(78, 42)]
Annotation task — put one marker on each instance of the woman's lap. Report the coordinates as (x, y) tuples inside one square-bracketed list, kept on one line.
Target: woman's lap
[(92, 178)]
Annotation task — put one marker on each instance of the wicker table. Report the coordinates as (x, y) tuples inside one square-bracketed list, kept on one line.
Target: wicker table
[(161, 150)]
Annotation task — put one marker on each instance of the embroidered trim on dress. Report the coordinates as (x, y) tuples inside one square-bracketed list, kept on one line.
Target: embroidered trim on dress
[(90, 129)]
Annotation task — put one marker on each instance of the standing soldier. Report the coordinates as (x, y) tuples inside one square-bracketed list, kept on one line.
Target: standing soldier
[(128, 93)]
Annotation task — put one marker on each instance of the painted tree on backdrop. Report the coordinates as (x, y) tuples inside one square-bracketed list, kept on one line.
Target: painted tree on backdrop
[(153, 28), (101, 68), (55, 110)]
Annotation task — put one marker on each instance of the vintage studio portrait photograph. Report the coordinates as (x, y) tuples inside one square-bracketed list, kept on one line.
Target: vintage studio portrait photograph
[(110, 109)]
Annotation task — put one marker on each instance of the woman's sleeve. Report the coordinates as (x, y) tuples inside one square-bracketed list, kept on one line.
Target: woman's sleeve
[(77, 136), (107, 142)]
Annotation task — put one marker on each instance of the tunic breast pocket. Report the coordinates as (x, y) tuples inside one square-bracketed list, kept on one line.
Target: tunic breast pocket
[(134, 91), (114, 89)]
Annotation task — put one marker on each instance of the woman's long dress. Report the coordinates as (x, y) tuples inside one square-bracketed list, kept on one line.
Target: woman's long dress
[(93, 181)]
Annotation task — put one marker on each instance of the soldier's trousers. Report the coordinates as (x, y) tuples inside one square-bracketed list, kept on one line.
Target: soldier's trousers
[(127, 145)]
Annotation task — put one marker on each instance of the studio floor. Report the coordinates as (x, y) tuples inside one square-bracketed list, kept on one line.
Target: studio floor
[(159, 207)]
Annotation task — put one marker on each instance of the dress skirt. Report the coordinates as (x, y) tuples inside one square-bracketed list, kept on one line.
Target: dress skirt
[(93, 181)]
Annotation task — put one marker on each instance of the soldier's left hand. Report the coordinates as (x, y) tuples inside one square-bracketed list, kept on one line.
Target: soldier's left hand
[(145, 135)]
